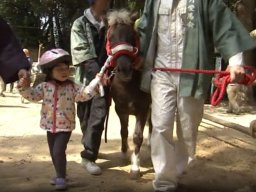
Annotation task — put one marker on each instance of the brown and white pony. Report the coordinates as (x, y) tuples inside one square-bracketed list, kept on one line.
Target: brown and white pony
[(124, 68)]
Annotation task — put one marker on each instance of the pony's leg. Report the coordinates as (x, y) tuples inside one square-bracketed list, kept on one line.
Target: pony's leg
[(149, 122), (138, 134), (124, 132), (137, 140), (135, 166)]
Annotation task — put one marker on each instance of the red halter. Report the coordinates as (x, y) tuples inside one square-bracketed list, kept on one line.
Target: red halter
[(122, 48)]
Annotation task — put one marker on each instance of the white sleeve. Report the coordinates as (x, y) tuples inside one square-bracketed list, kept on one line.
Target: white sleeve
[(236, 59)]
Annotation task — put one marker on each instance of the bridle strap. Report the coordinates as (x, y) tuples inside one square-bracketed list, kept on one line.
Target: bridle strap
[(124, 47), (119, 49)]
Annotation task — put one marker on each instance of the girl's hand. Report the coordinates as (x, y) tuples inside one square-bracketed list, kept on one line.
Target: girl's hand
[(103, 79), (23, 73), (24, 82)]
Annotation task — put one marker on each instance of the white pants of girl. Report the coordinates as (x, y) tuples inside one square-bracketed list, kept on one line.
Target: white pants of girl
[(170, 157)]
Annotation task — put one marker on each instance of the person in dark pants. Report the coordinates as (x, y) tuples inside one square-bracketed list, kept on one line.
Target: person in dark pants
[(88, 55), (2, 87)]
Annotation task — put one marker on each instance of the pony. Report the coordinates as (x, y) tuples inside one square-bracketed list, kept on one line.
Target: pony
[(124, 67)]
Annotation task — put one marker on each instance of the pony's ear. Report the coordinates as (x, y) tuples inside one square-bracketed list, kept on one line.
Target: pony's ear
[(134, 16)]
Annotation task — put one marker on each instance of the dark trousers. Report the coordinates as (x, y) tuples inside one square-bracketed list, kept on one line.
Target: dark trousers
[(92, 116), (57, 143), (11, 87)]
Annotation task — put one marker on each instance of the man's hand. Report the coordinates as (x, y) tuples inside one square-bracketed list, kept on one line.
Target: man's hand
[(237, 73)]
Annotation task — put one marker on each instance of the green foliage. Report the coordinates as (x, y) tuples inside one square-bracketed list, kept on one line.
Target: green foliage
[(21, 17), (49, 21), (42, 21)]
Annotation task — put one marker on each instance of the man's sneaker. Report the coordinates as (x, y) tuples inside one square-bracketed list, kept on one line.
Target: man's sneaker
[(91, 167), (60, 184)]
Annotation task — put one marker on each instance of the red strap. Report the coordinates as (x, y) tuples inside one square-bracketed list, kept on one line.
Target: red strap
[(108, 46), (220, 84), (220, 81)]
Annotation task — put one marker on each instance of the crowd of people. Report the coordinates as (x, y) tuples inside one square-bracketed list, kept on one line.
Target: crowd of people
[(174, 34)]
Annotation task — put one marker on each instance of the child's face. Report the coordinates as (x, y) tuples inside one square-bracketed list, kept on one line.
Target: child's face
[(61, 72)]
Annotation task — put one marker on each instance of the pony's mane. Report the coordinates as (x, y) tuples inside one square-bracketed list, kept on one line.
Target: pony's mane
[(122, 16)]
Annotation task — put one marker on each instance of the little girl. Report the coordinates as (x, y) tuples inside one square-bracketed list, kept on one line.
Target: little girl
[(59, 95)]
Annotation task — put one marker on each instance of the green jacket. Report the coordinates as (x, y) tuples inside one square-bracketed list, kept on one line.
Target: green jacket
[(87, 43), (212, 25)]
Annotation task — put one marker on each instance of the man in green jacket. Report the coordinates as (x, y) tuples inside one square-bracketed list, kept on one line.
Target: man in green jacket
[(182, 34), (88, 56)]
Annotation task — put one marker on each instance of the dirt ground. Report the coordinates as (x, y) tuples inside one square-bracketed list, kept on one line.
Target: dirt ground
[(226, 158)]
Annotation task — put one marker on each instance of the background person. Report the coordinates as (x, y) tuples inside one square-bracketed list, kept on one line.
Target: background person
[(2, 87), (88, 55), (29, 58), (13, 62)]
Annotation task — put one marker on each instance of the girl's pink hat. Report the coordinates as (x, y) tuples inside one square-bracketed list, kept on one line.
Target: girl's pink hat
[(53, 57)]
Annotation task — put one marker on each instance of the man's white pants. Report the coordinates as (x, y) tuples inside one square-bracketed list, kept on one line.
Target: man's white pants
[(170, 158)]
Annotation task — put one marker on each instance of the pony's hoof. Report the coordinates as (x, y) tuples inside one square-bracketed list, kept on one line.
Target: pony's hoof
[(135, 174), (124, 156)]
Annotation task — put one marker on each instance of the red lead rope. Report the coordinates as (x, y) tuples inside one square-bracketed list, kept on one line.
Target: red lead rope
[(220, 81)]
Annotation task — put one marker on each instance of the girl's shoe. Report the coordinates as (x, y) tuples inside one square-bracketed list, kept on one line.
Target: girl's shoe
[(60, 184), (52, 181)]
